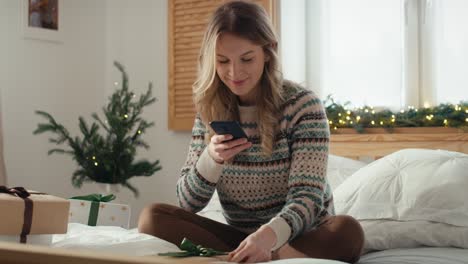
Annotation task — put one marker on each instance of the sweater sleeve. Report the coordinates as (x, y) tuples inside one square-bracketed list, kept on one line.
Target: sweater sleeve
[(309, 135), (200, 173)]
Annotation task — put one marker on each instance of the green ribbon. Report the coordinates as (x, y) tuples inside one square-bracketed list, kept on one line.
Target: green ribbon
[(95, 199), (192, 250)]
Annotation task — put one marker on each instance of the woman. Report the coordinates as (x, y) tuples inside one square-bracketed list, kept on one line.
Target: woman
[(272, 186)]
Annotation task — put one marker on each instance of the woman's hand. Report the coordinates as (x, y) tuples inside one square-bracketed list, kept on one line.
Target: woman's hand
[(256, 247), (222, 148)]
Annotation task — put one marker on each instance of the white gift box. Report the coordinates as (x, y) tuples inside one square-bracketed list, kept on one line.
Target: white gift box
[(45, 240), (108, 214)]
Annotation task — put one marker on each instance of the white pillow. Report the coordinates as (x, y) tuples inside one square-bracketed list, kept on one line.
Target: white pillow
[(410, 198), (339, 168), (409, 185), (385, 234)]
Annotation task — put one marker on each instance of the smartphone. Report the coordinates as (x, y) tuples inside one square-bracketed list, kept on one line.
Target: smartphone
[(228, 127)]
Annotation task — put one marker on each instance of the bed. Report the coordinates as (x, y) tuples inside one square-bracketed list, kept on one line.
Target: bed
[(407, 189)]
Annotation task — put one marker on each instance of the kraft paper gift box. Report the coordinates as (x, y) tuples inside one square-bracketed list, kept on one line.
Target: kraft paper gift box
[(45, 240), (31, 217), (97, 210)]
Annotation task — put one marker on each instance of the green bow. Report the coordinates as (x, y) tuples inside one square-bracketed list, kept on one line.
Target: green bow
[(191, 250), (95, 198)]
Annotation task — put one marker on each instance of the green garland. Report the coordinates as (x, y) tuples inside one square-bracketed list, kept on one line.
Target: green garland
[(443, 115)]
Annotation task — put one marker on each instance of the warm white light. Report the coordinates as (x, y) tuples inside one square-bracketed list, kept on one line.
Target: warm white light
[(95, 163), (373, 122)]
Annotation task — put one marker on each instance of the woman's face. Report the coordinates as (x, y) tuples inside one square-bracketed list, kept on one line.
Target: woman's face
[(239, 64)]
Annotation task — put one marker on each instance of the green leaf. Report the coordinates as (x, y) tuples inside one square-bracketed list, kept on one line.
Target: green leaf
[(108, 156)]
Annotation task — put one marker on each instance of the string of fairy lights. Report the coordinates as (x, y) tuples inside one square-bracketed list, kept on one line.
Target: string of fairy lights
[(443, 115)]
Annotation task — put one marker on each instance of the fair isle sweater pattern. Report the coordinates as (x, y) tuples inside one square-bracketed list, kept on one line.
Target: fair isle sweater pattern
[(253, 189)]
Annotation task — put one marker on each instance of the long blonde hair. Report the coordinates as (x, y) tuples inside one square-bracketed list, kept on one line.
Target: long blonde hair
[(213, 100)]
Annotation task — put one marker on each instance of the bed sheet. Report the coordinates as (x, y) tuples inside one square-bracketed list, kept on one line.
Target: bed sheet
[(427, 255), (117, 240), (111, 239)]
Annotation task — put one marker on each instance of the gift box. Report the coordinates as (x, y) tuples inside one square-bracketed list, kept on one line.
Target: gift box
[(45, 240), (25, 213), (97, 210)]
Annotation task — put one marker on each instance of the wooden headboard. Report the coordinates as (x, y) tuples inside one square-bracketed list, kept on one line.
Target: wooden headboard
[(377, 142)]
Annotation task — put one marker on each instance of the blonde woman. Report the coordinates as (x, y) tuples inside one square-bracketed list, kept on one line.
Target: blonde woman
[(272, 185)]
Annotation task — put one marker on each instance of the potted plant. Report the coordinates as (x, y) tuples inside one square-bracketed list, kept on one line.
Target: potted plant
[(105, 153)]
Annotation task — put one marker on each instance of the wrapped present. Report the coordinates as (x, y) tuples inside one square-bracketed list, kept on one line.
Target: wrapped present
[(96, 210), (45, 240), (26, 213)]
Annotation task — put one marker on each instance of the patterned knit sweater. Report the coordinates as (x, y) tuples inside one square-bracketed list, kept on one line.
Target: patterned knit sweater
[(287, 191)]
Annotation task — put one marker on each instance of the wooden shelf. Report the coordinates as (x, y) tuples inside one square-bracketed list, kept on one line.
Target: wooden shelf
[(377, 142)]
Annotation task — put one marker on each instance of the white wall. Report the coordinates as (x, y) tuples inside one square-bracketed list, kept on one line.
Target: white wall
[(75, 78)]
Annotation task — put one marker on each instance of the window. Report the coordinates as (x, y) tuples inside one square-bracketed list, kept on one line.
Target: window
[(390, 53)]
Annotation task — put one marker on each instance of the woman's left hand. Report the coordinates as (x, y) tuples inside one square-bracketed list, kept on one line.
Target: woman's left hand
[(256, 247)]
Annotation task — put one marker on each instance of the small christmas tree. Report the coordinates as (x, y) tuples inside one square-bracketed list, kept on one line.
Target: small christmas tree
[(107, 158)]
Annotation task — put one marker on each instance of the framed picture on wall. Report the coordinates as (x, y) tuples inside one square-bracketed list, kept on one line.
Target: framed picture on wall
[(42, 20)]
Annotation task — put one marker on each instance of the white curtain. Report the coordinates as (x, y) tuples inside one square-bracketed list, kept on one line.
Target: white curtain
[(350, 49), (2, 163)]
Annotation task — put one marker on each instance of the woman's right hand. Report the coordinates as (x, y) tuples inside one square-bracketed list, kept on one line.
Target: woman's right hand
[(221, 148)]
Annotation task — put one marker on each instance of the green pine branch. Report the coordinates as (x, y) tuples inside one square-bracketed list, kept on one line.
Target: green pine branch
[(107, 156)]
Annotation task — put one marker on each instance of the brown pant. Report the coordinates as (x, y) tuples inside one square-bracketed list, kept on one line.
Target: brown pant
[(337, 237)]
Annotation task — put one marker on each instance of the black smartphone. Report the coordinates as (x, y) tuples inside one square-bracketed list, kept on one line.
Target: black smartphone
[(228, 127)]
